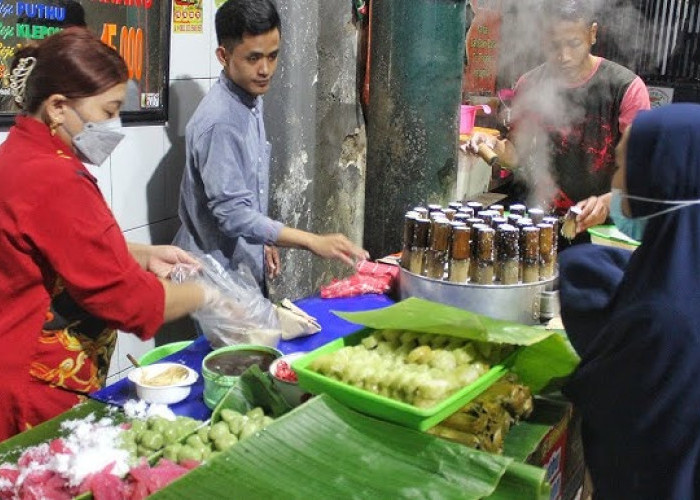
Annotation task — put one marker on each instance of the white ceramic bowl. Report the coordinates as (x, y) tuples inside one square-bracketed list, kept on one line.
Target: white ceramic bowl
[(166, 394), (291, 392)]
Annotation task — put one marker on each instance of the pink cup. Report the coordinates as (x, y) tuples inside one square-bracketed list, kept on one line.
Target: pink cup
[(467, 116)]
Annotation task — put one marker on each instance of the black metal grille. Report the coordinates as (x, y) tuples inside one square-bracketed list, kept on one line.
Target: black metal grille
[(658, 39)]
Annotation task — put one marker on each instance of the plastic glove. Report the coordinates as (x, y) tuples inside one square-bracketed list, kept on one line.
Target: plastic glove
[(295, 322), (233, 309), (218, 304), (225, 321), (183, 272)]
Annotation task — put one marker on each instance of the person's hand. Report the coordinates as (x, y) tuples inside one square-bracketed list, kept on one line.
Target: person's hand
[(272, 261), (224, 307), (594, 211), (479, 138), (337, 246), (161, 259)]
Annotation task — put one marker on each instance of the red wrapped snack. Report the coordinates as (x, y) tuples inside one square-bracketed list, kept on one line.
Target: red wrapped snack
[(371, 277)]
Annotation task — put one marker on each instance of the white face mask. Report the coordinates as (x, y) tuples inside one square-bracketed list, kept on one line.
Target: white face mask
[(98, 140)]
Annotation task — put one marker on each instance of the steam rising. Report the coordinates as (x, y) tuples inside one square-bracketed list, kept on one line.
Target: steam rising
[(623, 31)]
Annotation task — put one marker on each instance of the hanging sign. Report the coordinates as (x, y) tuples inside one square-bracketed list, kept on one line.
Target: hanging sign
[(187, 16), (137, 29), (482, 47)]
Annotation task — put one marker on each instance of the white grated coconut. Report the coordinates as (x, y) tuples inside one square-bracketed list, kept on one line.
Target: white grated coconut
[(91, 444), (94, 446), (142, 410)]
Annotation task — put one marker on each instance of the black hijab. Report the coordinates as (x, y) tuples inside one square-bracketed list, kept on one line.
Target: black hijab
[(637, 327)]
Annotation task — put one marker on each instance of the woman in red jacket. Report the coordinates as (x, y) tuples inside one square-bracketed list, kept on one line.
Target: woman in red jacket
[(68, 279)]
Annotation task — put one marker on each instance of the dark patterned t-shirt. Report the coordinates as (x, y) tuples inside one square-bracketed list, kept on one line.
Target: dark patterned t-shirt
[(581, 125)]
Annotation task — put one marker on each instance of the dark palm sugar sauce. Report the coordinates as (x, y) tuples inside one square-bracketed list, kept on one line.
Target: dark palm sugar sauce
[(234, 363)]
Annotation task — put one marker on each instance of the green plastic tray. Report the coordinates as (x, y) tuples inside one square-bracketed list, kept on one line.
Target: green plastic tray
[(611, 236), (162, 351), (380, 406)]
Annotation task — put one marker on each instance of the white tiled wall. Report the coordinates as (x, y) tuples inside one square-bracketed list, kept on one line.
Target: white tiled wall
[(103, 174), (138, 179), (185, 95), (145, 171), (191, 54)]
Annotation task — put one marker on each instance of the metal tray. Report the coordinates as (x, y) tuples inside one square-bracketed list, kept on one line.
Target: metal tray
[(521, 303)]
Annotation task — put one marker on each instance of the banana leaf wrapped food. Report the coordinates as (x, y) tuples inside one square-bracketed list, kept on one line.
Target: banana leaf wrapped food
[(485, 421)]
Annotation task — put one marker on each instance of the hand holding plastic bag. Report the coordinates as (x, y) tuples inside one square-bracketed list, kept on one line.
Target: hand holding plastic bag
[(234, 309)]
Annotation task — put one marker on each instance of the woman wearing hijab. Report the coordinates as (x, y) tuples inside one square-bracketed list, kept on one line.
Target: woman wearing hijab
[(634, 318), (68, 279)]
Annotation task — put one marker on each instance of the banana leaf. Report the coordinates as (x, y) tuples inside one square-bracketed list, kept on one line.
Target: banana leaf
[(322, 449), (259, 391), (545, 365), (12, 448), (254, 388), (546, 355), (518, 483), (523, 438), (234, 399)]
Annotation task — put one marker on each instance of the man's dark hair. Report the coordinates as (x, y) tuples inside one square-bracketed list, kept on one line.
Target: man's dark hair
[(75, 14), (568, 10), (250, 17)]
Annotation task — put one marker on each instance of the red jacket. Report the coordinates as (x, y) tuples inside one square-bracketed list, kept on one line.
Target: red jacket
[(67, 280)]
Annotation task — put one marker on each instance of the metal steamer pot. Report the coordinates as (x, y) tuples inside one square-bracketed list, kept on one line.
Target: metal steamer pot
[(525, 303)]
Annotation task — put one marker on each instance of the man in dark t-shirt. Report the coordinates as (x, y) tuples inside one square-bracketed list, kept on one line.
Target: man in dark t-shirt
[(569, 114)]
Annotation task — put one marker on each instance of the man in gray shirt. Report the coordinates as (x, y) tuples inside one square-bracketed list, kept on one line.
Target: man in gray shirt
[(225, 185)]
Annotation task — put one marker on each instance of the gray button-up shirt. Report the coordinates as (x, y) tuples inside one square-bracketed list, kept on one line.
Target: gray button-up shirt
[(225, 185)]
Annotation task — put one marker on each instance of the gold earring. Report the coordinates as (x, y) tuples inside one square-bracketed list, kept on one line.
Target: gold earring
[(52, 127)]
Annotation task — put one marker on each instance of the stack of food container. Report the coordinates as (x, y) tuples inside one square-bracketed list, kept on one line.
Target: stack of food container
[(479, 245)]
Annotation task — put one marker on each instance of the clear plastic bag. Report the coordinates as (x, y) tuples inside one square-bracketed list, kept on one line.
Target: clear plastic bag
[(240, 314)]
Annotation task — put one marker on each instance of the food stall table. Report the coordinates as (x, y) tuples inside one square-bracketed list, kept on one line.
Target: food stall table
[(332, 327)]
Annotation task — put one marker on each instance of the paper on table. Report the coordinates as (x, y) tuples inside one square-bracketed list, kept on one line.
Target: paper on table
[(616, 234), (612, 233)]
